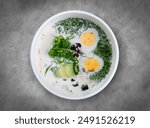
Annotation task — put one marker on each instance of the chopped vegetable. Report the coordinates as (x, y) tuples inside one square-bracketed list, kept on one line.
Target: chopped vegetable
[(84, 87), (66, 70), (60, 72), (75, 85)]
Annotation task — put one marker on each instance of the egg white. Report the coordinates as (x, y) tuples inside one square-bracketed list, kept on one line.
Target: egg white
[(91, 55), (88, 49)]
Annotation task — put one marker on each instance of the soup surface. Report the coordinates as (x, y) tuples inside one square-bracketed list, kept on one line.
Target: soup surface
[(74, 55)]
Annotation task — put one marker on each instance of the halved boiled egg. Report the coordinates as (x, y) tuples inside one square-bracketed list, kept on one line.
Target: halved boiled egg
[(92, 63), (88, 40)]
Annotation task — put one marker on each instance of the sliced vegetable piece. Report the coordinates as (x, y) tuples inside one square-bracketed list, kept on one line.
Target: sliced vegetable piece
[(70, 70), (61, 72), (76, 68), (67, 70)]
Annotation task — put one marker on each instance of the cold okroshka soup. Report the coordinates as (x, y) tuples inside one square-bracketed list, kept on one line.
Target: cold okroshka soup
[(76, 56)]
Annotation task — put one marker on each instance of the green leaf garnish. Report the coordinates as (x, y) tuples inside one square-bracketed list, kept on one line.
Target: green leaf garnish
[(47, 69), (61, 49)]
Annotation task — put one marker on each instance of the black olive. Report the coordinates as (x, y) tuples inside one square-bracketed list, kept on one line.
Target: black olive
[(84, 87)]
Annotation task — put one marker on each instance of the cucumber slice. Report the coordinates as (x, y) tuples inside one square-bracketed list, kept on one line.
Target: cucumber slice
[(61, 72), (69, 70), (76, 68)]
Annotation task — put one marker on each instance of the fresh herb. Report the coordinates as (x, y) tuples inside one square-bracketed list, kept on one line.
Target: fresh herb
[(53, 68), (47, 69), (70, 26), (61, 50), (50, 68), (103, 50), (76, 26)]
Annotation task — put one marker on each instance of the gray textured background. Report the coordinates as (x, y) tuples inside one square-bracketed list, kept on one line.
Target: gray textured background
[(129, 89)]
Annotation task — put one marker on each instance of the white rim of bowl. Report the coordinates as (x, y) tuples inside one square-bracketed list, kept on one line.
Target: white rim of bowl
[(113, 71)]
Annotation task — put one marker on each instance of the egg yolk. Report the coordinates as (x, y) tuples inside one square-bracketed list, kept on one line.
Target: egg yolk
[(91, 64), (87, 38)]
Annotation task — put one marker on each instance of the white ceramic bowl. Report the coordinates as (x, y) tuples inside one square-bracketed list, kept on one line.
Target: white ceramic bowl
[(84, 15)]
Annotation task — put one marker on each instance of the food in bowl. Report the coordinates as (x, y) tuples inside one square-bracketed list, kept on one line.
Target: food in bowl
[(80, 54), (74, 55)]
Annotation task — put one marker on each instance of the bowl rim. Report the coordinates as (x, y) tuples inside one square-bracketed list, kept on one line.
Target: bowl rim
[(113, 70)]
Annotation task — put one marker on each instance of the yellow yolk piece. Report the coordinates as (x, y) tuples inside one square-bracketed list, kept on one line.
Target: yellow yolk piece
[(91, 64), (87, 38)]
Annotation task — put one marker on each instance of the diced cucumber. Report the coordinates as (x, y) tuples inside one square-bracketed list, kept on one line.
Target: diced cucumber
[(84, 87), (61, 72)]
